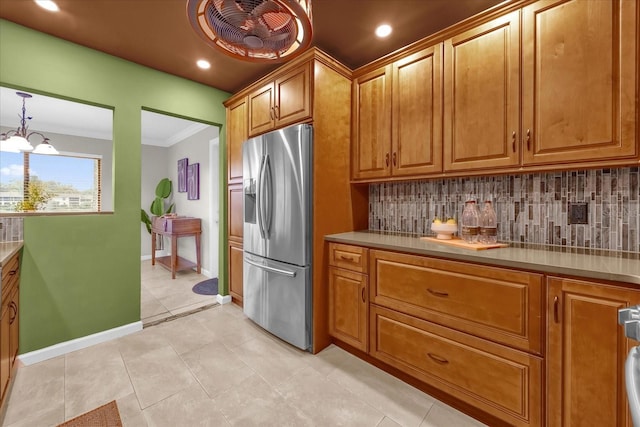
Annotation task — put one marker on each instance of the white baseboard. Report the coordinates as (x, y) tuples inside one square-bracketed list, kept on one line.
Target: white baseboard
[(78, 343), (223, 299)]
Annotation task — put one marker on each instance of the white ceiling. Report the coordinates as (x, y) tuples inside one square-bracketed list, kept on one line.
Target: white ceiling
[(56, 115)]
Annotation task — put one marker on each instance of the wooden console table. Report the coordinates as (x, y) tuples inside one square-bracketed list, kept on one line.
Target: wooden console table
[(175, 227)]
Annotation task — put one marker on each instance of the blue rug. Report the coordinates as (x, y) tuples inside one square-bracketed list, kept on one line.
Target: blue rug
[(206, 287)]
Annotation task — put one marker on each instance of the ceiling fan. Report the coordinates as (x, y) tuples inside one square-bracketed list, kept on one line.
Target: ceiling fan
[(255, 30)]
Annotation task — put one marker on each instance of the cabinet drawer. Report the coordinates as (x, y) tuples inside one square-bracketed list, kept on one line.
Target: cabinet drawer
[(10, 275), (354, 258), (494, 303), (503, 382)]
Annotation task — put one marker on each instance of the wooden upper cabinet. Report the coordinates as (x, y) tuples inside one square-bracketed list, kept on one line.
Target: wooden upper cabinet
[(236, 135), (481, 96), (586, 352), (397, 112), (281, 102), (579, 80), (261, 109), (293, 96), (371, 139), (416, 136)]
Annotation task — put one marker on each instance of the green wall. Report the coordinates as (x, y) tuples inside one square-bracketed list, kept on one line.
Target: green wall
[(81, 274)]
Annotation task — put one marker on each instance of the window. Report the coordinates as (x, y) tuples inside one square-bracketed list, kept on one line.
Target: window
[(80, 178), (71, 182)]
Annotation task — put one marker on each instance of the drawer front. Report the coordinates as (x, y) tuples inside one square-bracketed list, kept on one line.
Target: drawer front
[(176, 225), (494, 303), (10, 275), (354, 258), (503, 382)]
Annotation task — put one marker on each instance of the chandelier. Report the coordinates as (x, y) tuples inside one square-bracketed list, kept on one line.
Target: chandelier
[(253, 30), (16, 141)]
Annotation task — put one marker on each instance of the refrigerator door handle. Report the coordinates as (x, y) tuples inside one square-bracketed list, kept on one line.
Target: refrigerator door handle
[(271, 269), (269, 196), (260, 199)]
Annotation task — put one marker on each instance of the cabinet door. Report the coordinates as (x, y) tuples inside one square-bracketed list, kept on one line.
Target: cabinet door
[(235, 271), (14, 326), (348, 307), (5, 357), (586, 354), (371, 139), (235, 214), (482, 96), (579, 80), (417, 113), (236, 135), (261, 109), (293, 96)]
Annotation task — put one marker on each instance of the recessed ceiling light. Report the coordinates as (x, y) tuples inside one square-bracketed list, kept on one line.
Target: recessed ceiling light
[(48, 4), (203, 64), (383, 30)]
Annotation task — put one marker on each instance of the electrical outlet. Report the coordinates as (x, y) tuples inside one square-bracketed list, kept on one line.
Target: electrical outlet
[(578, 213)]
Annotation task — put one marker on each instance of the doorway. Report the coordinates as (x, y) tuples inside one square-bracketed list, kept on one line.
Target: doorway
[(166, 142)]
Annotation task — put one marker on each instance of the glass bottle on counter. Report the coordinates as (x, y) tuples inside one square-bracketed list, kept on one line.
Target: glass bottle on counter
[(470, 222), (488, 224)]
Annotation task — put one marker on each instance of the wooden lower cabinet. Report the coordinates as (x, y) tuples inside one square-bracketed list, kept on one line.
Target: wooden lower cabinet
[(349, 307), (235, 271), (503, 382), (5, 356), (9, 331), (586, 352)]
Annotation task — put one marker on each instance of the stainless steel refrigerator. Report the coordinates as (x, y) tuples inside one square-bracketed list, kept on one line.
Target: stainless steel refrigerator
[(277, 177)]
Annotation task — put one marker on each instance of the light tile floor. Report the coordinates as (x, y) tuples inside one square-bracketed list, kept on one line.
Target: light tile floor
[(163, 296), (217, 368)]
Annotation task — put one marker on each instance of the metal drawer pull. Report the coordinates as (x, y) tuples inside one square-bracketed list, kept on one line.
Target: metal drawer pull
[(346, 258), (386, 159), (437, 293), (15, 312), (556, 303), (529, 139), (13, 272), (363, 300), (513, 141), (438, 359)]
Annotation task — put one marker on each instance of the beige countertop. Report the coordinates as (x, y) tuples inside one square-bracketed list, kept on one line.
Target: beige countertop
[(7, 249), (619, 267)]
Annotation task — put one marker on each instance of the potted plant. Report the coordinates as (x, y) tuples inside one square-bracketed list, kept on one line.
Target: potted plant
[(157, 208), (37, 197)]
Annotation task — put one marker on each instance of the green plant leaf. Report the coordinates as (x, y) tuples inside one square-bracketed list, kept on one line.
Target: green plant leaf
[(173, 205), (163, 189), (144, 217), (157, 207)]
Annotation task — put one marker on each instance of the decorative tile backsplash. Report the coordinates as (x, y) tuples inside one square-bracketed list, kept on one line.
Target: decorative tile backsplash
[(11, 229), (531, 208)]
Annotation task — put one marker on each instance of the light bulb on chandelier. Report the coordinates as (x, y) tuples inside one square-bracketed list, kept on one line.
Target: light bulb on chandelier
[(16, 141)]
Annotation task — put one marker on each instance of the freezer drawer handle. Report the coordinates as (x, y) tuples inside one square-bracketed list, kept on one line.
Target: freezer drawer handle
[(271, 269)]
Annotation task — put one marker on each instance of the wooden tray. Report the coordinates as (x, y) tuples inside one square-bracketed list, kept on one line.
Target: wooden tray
[(458, 242)]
